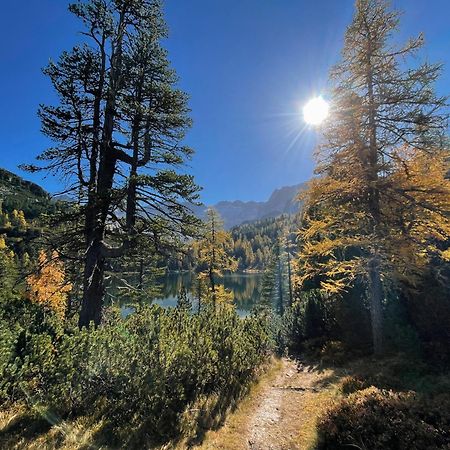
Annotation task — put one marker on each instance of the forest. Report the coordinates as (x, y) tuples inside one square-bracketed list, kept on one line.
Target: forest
[(348, 342)]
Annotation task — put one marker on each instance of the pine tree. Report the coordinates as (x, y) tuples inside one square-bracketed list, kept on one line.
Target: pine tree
[(9, 273), (117, 133), (381, 200)]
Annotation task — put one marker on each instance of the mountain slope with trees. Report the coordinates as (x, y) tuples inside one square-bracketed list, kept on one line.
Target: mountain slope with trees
[(19, 194), (282, 201)]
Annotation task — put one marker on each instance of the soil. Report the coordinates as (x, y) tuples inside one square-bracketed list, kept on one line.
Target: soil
[(282, 414)]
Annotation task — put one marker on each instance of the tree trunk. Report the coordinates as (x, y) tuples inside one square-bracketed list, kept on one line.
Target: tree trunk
[(93, 286), (280, 286), (96, 217), (199, 286), (376, 305), (290, 279), (213, 286), (375, 285)]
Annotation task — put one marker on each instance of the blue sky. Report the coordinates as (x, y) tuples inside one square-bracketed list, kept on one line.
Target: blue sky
[(248, 65)]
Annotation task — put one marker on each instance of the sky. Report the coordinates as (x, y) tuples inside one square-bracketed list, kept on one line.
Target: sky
[(248, 66)]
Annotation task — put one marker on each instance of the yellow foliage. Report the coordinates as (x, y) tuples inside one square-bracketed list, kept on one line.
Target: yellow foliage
[(2, 243), (18, 219), (213, 251), (48, 286), (336, 236)]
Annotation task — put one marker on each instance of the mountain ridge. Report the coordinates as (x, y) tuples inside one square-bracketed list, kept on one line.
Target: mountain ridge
[(17, 193), (283, 200)]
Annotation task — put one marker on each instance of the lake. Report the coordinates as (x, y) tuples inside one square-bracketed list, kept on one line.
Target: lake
[(246, 288)]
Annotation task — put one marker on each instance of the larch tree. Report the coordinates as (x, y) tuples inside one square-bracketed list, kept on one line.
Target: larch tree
[(48, 285), (118, 132), (214, 253), (381, 201)]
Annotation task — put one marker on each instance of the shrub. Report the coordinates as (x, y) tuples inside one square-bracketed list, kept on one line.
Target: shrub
[(138, 374), (350, 384), (333, 352), (382, 419), (292, 330)]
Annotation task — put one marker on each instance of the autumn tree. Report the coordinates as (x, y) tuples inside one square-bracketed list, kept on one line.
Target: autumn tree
[(213, 253), (117, 130), (18, 219), (381, 201), (48, 286)]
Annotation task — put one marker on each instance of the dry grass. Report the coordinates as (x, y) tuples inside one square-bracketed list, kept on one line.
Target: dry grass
[(313, 406), (20, 429)]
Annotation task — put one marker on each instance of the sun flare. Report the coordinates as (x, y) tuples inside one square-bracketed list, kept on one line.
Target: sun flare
[(315, 111)]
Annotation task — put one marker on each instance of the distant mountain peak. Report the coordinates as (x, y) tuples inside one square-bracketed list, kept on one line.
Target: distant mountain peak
[(282, 201)]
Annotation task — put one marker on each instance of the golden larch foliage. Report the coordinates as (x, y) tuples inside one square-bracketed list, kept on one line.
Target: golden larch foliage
[(48, 286)]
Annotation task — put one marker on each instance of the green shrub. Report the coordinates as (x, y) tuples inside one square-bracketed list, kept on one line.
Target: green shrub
[(292, 329), (139, 374), (381, 419)]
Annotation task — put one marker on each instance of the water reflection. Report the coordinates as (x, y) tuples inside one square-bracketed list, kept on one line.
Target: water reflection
[(246, 289)]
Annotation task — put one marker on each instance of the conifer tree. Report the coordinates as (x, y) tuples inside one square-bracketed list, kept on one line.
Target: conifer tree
[(381, 201), (213, 253), (8, 270), (117, 131)]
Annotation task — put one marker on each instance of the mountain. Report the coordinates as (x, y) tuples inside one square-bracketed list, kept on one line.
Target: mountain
[(17, 193), (282, 201)]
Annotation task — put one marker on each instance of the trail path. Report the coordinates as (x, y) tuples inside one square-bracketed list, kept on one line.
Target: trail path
[(282, 414)]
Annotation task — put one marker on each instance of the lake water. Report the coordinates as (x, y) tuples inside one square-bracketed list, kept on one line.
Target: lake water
[(245, 287)]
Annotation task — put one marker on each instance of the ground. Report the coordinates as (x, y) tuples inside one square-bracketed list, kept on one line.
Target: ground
[(281, 412)]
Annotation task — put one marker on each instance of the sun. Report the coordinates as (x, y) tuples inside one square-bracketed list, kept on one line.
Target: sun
[(315, 111)]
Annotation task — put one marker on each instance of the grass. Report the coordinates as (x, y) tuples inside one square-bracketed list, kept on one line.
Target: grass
[(313, 406), (37, 430), (323, 386)]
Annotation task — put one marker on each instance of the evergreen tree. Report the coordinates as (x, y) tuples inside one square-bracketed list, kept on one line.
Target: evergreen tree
[(381, 201), (117, 131), (9, 272)]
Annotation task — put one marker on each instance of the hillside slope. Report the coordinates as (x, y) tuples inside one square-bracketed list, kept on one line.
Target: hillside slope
[(17, 193)]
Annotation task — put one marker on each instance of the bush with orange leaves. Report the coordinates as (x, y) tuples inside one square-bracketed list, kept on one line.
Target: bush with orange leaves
[(48, 286)]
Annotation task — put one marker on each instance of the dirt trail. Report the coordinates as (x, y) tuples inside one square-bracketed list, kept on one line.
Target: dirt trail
[(289, 407), (282, 414)]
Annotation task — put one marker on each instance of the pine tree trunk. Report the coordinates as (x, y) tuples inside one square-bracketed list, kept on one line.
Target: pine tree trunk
[(376, 305), (290, 279), (96, 216), (93, 287), (213, 286), (280, 286)]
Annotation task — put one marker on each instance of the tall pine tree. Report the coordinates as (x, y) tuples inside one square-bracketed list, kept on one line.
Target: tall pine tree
[(117, 131)]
